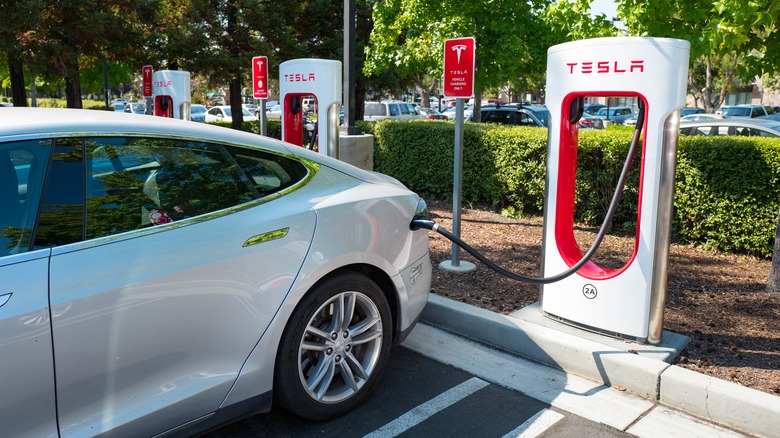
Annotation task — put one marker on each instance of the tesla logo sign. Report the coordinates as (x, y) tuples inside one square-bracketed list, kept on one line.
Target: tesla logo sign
[(147, 80), (459, 67), (606, 67), (260, 77)]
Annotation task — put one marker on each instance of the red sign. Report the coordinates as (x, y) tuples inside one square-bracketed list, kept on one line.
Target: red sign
[(260, 77), (147, 77), (459, 67)]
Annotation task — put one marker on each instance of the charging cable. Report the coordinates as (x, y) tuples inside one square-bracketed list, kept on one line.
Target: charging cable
[(423, 222)]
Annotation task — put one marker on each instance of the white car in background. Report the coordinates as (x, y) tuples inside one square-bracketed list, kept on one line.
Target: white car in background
[(223, 113), (163, 277)]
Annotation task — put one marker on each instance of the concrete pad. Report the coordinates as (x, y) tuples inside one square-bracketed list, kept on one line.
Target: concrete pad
[(663, 422), (670, 347), (719, 401), (566, 351)]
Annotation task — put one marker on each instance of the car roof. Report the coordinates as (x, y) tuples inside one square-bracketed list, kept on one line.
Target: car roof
[(754, 123), (50, 122), (514, 107), (22, 123)]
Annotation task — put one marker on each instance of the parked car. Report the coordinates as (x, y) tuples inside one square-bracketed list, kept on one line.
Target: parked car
[(223, 113), (274, 113), (746, 111), (449, 112), (688, 110), (390, 109), (700, 116), (593, 108), (197, 113), (773, 116), (515, 115), (589, 121), (309, 104), (615, 114), (736, 126), (119, 107), (252, 108), (169, 276), (432, 114), (135, 108)]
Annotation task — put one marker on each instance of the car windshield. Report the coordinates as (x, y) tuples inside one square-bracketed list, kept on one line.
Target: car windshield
[(737, 112), (543, 116), (197, 109)]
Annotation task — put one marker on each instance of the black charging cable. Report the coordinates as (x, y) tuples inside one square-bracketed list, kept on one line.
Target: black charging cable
[(423, 222)]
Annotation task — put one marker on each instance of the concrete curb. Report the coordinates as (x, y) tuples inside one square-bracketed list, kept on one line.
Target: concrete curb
[(635, 367)]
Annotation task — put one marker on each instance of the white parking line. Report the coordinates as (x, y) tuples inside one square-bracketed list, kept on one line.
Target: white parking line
[(536, 425), (429, 408)]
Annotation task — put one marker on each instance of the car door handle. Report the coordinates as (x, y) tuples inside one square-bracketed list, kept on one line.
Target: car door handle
[(4, 299)]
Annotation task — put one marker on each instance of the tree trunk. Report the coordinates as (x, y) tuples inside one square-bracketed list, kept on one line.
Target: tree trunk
[(16, 71), (773, 285), (70, 67), (235, 103), (73, 86)]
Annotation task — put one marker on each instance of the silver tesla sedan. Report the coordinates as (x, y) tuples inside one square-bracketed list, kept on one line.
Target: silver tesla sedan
[(163, 277)]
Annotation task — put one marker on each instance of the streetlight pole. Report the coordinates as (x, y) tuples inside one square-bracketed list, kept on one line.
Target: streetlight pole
[(349, 67)]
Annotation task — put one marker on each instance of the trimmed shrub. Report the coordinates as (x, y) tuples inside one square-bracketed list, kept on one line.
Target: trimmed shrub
[(727, 193)]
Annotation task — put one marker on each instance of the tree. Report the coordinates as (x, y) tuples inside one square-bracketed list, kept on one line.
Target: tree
[(729, 39), (79, 33), (17, 22), (409, 36), (773, 284)]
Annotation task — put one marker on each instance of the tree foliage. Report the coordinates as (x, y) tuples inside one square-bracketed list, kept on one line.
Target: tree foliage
[(409, 35)]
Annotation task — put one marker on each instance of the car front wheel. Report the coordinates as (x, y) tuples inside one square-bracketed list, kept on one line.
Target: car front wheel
[(334, 348)]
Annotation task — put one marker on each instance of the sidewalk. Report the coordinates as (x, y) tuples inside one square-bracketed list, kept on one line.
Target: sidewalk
[(640, 369)]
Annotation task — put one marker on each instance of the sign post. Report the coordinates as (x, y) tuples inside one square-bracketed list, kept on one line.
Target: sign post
[(146, 74), (458, 83), (260, 88)]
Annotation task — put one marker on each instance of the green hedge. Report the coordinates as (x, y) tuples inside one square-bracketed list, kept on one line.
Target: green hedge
[(727, 188)]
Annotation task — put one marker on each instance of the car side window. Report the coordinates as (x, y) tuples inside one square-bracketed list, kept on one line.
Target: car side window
[(62, 213), (503, 117), (525, 120), (157, 181), (22, 170), (393, 109), (267, 173), (407, 109)]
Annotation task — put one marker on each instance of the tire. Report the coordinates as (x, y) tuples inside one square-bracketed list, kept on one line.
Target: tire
[(328, 365)]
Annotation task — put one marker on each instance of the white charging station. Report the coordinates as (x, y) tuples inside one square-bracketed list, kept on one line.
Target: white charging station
[(171, 94), (625, 302), (320, 78)]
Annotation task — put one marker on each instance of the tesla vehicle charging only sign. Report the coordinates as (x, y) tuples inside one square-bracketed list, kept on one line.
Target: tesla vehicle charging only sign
[(147, 80), (459, 67), (260, 77)]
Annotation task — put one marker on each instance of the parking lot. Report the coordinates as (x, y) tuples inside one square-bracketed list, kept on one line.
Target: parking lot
[(422, 397)]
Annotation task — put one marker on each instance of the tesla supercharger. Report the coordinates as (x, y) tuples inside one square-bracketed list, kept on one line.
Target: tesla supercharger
[(626, 301), (171, 94), (300, 79)]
